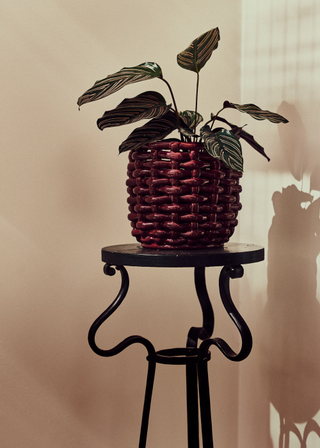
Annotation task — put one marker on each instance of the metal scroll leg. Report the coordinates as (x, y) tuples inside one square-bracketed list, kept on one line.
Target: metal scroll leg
[(108, 270), (193, 372), (227, 272), (205, 333), (192, 405), (205, 407), (147, 402)]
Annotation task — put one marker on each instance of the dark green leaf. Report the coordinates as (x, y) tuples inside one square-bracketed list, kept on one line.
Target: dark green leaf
[(144, 106), (187, 132), (223, 145), (199, 51), (190, 118), (239, 132), (120, 79), (156, 129), (256, 113)]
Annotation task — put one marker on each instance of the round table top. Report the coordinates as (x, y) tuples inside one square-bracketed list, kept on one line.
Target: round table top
[(231, 254)]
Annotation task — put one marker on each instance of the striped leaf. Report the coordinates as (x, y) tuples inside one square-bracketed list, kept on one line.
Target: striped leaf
[(155, 129), (239, 132), (256, 113), (120, 79), (223, 145), (199, 51), (187, 132), (190, 118), (144, 106)]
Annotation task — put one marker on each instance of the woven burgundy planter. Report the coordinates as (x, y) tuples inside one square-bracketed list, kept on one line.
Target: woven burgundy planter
[(180, 197)]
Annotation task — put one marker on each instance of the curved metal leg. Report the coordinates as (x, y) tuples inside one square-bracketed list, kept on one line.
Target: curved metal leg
[(194, 334), (196, 372), (205, 333), (206, 330), (228, 272), (108, 270), (147, 403), (192, 405), (205, 406)]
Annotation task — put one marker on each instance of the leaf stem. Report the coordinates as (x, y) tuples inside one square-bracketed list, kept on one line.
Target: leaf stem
[(215, 117), (196, 105), (174, 103)]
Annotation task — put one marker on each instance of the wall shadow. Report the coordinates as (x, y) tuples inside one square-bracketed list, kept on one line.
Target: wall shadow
[(290, 333), (292, 313)]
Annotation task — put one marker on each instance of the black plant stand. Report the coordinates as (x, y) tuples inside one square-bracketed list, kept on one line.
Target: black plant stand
[(230, 257)]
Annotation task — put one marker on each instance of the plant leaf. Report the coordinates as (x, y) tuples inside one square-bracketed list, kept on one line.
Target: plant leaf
[(155, 129), (256, 113), (223, 145), (239, 132), (187, 132), (199, 51), (190, 118), (120, 79), (144, 106)]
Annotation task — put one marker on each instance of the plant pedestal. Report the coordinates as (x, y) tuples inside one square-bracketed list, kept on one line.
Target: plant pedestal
[(196, 354)]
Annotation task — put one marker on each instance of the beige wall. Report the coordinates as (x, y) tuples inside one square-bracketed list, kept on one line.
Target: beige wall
[(279, 384), (63, 198)]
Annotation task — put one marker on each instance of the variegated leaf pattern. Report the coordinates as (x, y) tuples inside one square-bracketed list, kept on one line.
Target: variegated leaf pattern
[(190, 118), (199, 51), (223, 145), (256, 113), (144, 106), (155, 129), (120, 79), (187, 132), (239, 132)]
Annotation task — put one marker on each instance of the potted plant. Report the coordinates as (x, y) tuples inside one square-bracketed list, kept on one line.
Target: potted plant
[(183, 192)]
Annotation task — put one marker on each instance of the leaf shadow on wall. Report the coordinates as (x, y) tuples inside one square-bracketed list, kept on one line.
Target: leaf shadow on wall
[(290, 333)]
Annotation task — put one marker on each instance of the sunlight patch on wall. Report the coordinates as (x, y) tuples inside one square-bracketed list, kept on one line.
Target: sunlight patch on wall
[(280, 49), (280, 65)]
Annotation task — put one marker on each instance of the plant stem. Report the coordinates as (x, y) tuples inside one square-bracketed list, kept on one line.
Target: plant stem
[(174, 103), (196, 105), (216, 117)]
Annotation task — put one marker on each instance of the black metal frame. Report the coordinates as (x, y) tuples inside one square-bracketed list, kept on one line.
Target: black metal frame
[(193, 357)]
